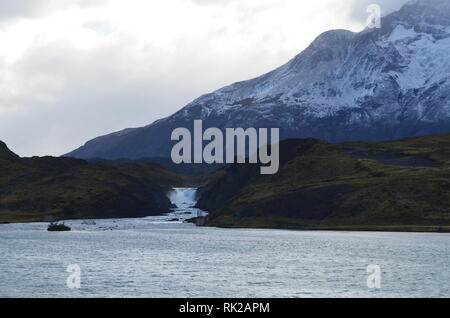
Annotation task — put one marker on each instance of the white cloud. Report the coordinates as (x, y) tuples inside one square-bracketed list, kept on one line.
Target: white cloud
[(72, 70)]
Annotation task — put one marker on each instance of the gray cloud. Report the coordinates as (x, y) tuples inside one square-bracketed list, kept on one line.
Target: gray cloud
[(57, 95), (12, 9), (67, 97), (21, 8)]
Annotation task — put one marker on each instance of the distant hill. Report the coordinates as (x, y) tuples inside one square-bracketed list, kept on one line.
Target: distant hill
[(185, 169), (34, 189), (397, 185), (6, 154)]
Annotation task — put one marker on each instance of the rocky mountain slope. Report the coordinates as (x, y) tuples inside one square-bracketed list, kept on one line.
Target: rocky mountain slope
[(6, 154), (396, 185), (378, 84), (32, 189)]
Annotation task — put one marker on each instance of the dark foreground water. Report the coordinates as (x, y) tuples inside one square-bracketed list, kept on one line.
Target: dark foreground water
[(152, 257)]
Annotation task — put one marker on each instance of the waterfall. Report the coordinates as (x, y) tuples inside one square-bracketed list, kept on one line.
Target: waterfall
[(183, 197)]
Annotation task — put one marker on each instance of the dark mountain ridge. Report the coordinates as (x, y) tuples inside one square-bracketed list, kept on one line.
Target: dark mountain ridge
[(38, 188), (6, 154)]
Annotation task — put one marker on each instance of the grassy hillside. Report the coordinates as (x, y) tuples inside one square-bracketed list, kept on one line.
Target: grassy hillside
[(65, 188), (397, 185)]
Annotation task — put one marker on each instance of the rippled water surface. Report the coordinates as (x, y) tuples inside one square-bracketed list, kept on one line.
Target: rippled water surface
[(152, 257)]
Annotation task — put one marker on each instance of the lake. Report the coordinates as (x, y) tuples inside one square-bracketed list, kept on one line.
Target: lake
[(153, 257)]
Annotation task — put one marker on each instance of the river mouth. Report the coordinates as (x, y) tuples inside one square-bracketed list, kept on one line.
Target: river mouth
[(184, 200)]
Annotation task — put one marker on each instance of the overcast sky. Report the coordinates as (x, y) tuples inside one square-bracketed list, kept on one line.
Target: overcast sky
[(71, 70)]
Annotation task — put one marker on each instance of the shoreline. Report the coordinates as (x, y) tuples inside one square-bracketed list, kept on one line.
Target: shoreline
[(366, 228), (438, 229)]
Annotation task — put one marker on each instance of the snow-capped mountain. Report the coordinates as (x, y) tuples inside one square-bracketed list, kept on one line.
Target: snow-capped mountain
[(378, 84)]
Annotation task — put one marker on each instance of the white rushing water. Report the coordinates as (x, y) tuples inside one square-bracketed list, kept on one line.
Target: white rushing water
[(185, 200), (156, 257), (183, 197)]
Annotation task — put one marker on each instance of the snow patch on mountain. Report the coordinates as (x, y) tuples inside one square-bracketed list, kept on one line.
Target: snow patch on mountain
[(378, 84)]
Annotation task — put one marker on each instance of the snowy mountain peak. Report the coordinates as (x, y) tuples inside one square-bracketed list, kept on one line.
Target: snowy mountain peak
[(378, 84)]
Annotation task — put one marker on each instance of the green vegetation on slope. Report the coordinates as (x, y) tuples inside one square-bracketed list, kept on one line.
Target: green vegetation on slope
[(32, 189), (344, 186)]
